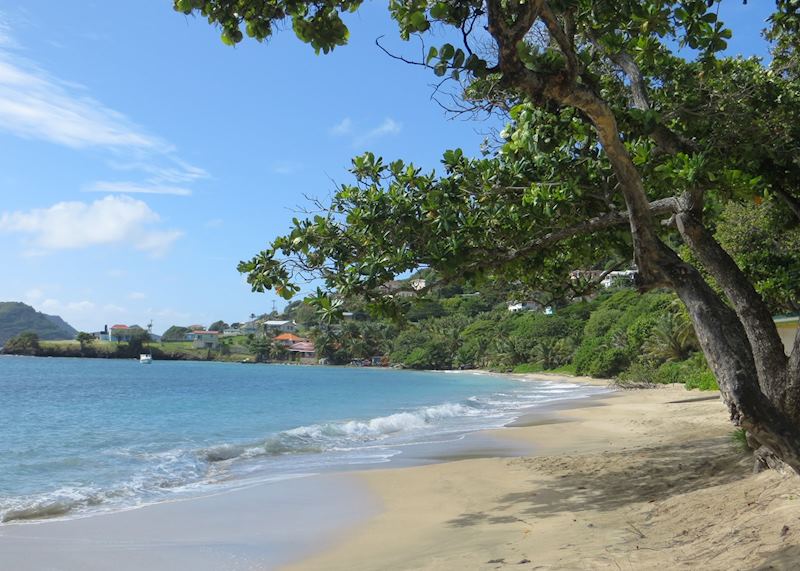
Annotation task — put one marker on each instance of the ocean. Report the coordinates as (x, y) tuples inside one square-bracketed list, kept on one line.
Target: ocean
[(84, 436)]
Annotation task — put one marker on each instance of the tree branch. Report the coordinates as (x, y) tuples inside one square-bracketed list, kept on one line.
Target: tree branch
[(750, 308), (608, 220), (564, 42)]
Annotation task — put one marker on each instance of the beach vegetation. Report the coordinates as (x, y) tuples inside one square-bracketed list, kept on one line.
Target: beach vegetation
[(26, 343), (628, 133), (84, 339), (739, 440)]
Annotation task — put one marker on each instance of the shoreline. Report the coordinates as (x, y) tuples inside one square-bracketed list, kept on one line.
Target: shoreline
[(107, 529), (638, 479), (468, 442), (644, 479)]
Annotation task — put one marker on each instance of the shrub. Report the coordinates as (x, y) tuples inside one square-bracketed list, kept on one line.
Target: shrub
[(639, 373), (585, 354), (703, 380), (670, 372), (739, 439), (528, 368), (608, 363)]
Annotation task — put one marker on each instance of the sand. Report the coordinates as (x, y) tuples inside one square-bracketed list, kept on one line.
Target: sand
[(651, 479), (633, 480)]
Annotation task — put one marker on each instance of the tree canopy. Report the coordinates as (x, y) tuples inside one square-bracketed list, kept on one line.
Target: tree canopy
[(627, 135)]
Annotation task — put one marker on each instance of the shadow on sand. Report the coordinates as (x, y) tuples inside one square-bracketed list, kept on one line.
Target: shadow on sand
[(613, 482)]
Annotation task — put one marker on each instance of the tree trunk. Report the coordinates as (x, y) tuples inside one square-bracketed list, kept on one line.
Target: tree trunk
[(741, 344)]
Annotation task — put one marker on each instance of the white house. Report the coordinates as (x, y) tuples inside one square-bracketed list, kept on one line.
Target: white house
[(613, 277), (280, 326), (205, 339), (515, 306)]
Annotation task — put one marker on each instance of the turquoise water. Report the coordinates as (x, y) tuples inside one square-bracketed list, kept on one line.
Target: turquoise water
[(86, 435)]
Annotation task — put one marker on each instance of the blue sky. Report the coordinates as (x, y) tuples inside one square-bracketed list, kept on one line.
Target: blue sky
[(141, 159)]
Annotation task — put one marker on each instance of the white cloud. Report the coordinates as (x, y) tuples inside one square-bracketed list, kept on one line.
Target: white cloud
[(70, 308), (111, 308), (387, 128), (35, 104), (346, 128), (6, 40), (136, 188), (73, 225), (343, 127)]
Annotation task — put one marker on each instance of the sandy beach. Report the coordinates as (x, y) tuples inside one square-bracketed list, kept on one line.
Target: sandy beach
[(634, 479), (641, 479)]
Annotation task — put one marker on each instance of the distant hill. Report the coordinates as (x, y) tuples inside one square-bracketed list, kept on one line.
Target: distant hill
[(16, 317)]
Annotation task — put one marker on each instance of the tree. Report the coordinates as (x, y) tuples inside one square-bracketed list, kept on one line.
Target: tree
[(218, 326), (85, 339), (260, 348), (137, 341), (609, 129), (26, 343), (175, 333)]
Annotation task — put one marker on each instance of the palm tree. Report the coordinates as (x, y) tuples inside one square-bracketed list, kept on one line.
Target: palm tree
[(672, 339)]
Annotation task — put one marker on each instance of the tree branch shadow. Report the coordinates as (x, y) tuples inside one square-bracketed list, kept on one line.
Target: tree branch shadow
[(612, 480)]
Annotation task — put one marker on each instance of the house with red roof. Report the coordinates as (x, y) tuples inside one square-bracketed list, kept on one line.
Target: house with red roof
[(288, 339), (122, 333), (303, 350)]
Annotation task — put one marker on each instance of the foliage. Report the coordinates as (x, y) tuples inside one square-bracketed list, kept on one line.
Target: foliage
[(765, 242), (739, 439), (528, 368), (611, 130), (672, 338), (175, 333), (260, 348), (85, 339), (218, 326), (26, 343)]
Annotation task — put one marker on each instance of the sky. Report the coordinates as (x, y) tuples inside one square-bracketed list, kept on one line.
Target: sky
[(141, 159)]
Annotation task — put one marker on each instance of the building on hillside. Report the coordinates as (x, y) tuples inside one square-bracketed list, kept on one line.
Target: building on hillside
[(101, 335), (288, 339), (787, 326), (121, 333), (232, 332), (303, 350), (279, 326), (205, 339), (605, 279), (249, 328), (399, 288), (623, 278), (515, 306)]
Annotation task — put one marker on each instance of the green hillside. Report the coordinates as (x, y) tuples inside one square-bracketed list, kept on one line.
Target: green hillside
[(16, 317)]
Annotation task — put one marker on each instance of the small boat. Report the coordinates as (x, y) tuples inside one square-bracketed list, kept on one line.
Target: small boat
[(145, 358)]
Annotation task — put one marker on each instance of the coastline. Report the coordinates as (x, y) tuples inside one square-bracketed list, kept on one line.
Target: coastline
[(628, 479), (139, 536), (645, 479)]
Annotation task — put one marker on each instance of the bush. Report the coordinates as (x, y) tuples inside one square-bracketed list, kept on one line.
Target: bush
[(639, 373), (608, 363), (703, 380), (528, 368), (585, 354), (671, 372)]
